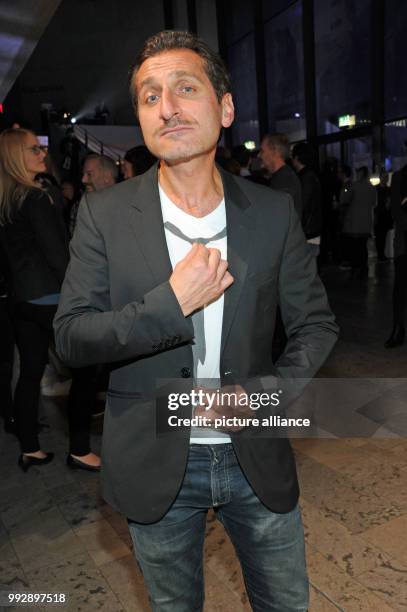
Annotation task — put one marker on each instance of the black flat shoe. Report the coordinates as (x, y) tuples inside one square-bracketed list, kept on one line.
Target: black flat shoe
[(396, 338), (26, 461), (77, 464)]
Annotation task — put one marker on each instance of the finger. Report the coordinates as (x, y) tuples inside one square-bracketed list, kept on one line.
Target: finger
[(226, 281), (214, 259), (192, 251), (222, 267), (208, 414)]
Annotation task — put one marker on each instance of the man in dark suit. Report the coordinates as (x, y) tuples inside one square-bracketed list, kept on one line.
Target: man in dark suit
[(274, 153), (302, 155), (139, 296)]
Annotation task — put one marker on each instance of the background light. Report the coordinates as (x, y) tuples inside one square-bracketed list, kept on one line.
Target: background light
[(250, 145), (73, 119), (346, 121)]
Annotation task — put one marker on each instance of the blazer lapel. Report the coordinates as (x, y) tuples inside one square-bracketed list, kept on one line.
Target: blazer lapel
[(148, 225), (240, 236), (147, 222)]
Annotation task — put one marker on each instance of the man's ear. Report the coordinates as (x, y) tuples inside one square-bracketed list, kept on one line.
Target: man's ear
[(228, 110)]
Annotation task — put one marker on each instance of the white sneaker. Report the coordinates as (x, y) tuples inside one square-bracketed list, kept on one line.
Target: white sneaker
[(57, 389)]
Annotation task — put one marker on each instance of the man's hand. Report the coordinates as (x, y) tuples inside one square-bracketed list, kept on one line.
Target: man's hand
[(237, 410), (200, 278)]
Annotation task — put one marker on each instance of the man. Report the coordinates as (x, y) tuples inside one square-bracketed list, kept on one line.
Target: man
[(398, 203), (302, 156), (99, 172), (360, 200), (274, 151), (138, 295)]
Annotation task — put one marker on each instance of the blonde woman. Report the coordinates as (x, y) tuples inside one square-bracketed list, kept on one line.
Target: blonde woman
[(33, 236)]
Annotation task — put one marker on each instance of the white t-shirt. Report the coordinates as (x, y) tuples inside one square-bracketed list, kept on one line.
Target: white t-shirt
[(193, 228)]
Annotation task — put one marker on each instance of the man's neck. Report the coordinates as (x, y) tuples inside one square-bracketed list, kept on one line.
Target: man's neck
[(194, 186), (279, 163)]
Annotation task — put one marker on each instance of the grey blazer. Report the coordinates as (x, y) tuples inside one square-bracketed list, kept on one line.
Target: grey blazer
[(118, 307)]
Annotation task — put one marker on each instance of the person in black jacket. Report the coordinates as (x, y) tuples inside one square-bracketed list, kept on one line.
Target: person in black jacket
[(34, 240), (302, 156)]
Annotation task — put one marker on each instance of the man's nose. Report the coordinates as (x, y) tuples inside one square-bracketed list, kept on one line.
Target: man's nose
[(168, 105)]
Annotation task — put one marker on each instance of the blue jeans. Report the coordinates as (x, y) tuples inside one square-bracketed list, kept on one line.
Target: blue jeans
[(270, 546)]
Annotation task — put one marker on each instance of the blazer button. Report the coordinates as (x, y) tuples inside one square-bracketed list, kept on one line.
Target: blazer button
[(186, 372)]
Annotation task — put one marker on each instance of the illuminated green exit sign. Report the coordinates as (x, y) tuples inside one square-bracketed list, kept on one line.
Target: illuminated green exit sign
[(346, 121)]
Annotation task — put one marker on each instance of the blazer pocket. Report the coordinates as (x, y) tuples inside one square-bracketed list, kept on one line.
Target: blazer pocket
[(126, 394)]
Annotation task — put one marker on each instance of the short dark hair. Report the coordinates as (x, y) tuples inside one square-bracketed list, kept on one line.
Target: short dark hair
[(304, 153), (280, 142), (169, 40)]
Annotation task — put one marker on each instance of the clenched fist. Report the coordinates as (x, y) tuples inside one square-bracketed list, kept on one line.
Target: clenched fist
[(200, 278)]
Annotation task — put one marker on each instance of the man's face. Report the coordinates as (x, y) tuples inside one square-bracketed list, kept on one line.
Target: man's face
[(178, 110), (94, 178), (267, 155)]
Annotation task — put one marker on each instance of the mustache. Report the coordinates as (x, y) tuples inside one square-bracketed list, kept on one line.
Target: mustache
[(172, 123)]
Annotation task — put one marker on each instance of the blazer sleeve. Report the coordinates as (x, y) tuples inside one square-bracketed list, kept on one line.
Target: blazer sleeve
[(87, 329), (308, 320), (47, 224)]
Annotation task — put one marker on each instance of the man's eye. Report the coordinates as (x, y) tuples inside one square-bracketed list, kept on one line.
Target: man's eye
[(187, 89), (151, 99)]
